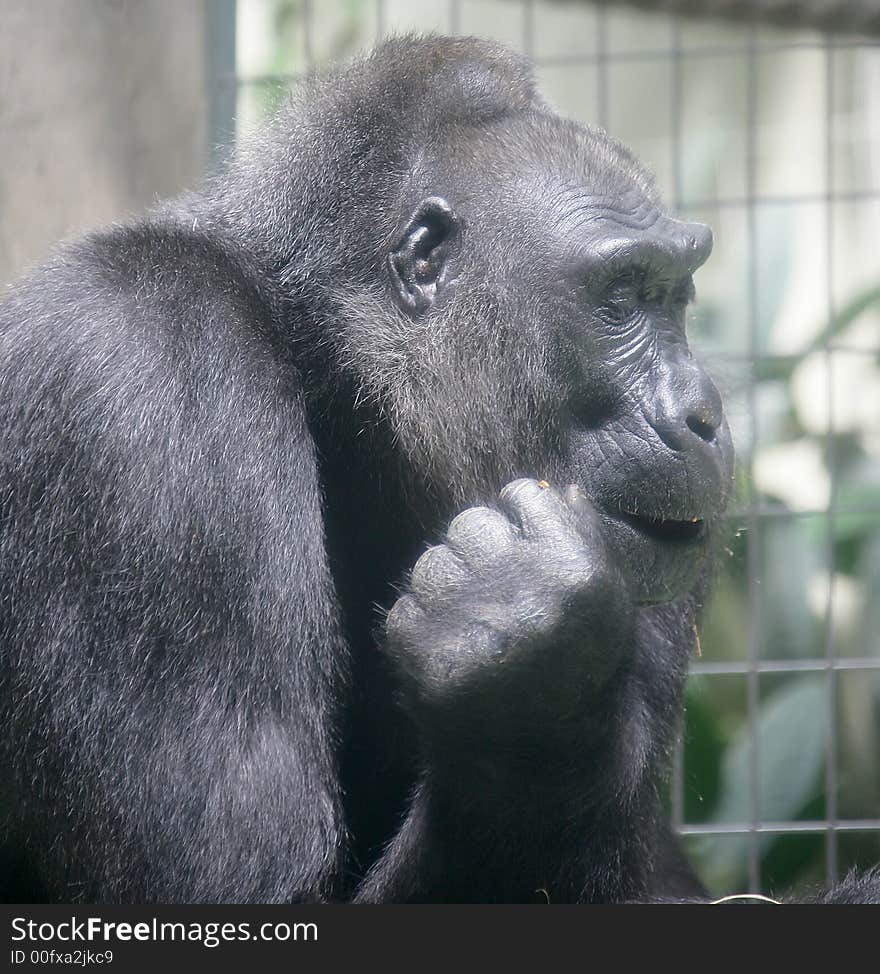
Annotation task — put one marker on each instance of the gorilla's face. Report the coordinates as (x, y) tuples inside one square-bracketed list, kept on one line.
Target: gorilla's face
[(645, 434), (548, 300)]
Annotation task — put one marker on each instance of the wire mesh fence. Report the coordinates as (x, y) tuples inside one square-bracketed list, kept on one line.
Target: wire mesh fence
[(770, 133)]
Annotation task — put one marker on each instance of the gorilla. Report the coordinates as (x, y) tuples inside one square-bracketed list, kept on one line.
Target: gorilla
[(356, 515)]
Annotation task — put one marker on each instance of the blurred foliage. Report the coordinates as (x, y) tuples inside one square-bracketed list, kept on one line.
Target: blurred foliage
[(797, 585)]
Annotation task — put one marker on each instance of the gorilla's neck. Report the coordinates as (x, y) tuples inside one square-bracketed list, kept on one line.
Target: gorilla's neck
[(373, 533)]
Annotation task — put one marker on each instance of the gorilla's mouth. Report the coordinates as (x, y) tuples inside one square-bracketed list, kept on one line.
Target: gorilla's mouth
[(660, 529)]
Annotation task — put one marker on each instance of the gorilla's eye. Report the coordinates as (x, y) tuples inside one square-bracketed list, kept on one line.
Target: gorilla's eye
[(637, 289), (624, 295)]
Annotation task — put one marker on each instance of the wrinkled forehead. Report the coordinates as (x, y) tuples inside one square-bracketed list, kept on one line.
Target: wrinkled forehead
[(541, 165), (546, 185)]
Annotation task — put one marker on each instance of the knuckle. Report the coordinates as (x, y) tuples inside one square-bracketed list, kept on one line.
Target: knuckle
[(433, 569), (469, 521), (521, 491), (402, 618), (478, 527), (538, 509)]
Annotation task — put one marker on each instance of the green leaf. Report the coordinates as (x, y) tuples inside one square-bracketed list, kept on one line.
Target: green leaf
[(790, 737)]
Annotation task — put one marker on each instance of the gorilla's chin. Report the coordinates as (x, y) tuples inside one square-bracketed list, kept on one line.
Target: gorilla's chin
[(659, 560)]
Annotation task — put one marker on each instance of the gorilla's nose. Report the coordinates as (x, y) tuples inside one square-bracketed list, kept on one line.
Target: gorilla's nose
[(705, 430), (688, 411)]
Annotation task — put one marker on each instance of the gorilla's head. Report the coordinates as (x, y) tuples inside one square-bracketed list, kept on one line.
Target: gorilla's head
[(507, 296)]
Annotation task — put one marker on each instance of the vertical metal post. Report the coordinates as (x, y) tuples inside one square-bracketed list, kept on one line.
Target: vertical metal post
[(602, 64), (454, 16), (529, 26), (675, 123), (220, 78), (831, 839), (308, 45), (753, 555)]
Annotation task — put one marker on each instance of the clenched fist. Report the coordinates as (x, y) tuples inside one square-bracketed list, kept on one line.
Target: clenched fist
[(521, 604)]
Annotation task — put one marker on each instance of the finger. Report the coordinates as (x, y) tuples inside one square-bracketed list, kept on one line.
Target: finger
[(540, 511), (480, 534), (402, 618), (436, 570)]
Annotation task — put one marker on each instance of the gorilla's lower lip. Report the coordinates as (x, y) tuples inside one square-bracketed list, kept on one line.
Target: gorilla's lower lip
[(661, 529)]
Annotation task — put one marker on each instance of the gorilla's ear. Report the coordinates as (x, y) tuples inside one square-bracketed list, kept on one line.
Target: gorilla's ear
[(418, 264)]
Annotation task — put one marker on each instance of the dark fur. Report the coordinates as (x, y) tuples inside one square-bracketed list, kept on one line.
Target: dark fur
[(222, 447)]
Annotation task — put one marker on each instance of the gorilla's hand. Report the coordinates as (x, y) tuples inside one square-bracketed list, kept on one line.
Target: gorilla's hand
[(512, 640), (522, 607)]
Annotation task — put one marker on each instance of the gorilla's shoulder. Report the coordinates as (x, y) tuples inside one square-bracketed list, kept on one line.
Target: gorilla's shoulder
[(163, 271)]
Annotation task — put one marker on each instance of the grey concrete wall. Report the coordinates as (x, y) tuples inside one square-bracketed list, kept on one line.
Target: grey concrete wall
[(103, 108)]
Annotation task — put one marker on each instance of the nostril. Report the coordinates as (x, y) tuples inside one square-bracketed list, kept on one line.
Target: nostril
[(705, 431)]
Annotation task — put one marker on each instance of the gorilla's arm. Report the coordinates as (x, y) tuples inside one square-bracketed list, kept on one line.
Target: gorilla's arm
[(169, 680), (546, 703)]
